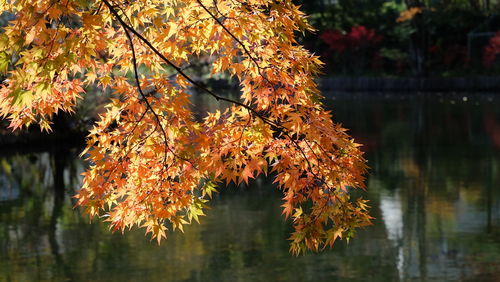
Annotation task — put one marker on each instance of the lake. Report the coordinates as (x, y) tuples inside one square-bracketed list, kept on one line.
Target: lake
[(434, 188)]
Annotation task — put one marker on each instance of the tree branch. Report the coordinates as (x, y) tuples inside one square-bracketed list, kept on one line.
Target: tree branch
[(201, 87), (245, 49), (148, 105), (181, 72)]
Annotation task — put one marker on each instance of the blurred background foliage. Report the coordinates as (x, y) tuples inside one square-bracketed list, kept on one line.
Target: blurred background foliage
[(405, 38)]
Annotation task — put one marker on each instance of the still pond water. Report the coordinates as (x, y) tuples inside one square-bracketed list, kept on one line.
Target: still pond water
[(434, 188)]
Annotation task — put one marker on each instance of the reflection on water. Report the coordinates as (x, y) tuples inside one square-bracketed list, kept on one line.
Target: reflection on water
[(433, 186)]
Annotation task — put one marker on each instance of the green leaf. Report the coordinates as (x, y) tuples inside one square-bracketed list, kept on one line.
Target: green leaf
[(4, 62), (209, 188)]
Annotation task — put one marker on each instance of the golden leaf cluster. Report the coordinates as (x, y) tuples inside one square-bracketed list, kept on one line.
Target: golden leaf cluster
[(153, 164), (409, 14)]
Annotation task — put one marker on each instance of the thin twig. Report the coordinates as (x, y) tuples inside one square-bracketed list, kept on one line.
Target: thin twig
[(245, 49), (148, 105), (181, 72)]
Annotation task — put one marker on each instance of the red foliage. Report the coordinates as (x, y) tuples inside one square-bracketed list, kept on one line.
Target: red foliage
[(491, 50), (449, 56), (335, 40), (359, 37)]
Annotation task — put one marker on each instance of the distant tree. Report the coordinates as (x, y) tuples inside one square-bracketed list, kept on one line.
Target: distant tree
[(152, 163)]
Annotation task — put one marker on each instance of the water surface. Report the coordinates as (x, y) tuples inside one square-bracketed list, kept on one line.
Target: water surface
[(433, 185)]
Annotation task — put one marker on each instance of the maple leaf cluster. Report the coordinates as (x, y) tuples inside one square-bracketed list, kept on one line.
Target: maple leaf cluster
[(409, 14), (153, 164)]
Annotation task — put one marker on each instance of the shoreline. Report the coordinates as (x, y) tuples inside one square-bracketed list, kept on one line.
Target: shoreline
[(395, 84)]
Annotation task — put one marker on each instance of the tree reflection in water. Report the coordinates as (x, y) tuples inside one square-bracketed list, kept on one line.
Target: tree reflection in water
[(433, 188)]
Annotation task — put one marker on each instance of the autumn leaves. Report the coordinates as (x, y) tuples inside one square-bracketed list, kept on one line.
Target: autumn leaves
[(155, 166)]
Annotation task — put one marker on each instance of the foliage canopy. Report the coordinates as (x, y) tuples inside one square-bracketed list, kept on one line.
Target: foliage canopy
[(152, 163)]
